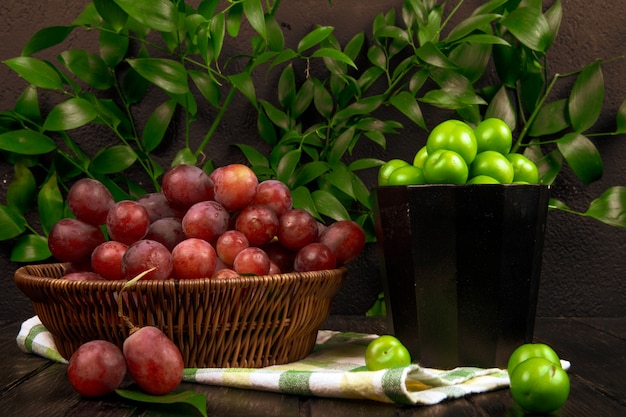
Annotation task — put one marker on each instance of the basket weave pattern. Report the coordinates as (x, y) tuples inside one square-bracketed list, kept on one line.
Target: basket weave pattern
[(245, 322)]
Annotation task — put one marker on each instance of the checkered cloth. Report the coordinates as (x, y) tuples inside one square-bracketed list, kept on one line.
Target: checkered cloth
[(335, 368)]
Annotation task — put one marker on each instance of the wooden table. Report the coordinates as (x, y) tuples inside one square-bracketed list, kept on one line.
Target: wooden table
[(32, 386)]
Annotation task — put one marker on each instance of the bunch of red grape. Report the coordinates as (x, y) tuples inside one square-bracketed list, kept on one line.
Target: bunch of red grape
[(221, 225)]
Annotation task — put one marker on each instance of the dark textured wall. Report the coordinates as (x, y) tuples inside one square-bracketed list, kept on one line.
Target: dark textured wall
[(584, 262)]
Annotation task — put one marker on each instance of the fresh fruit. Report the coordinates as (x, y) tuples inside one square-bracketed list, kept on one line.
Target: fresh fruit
[(206, 220), (532, 350), (407, 175), (127, 222), (387, 168), (252, 261), (345, 238), (106, 259), (296, 229), (420, 157), (72, 240), (90, 201), (524, 170), (445, 167), (275, 195), (386, 352), (492, 164), (96, 368), (185, 185), (259, 223), (540, 386), (193, 258), (453, 135), (493, 134), (235, 186), (144, 255), (314, 257), (229, 244), (153, 361)]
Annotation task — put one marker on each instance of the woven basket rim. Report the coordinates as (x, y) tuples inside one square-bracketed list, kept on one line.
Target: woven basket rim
[(25, 275)]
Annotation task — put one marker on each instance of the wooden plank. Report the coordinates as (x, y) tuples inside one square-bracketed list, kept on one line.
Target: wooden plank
[(16, 364), (615, 326), (598, 358)]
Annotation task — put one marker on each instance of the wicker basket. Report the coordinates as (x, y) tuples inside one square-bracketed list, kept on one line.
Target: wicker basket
[(245, 322)]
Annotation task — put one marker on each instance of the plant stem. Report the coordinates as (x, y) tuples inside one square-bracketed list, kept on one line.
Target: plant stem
[(216, 122)]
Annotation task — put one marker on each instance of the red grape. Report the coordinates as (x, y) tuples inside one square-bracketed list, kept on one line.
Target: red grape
[(224, 273), (159, 207), (234, 186), (72, 240), (259, 224), (90, 201), (185, 185), (280, 255), (96, 368), (345, 238), (146, 254), (193, 258), (127, 222), (274, 194), (229, 244), (252, 261), (206, 220), (106, 259), (167, 230), (83, 276), (297, 228), (314, 257)]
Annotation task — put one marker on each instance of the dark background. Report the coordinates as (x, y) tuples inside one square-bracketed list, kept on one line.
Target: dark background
[(584, 261)]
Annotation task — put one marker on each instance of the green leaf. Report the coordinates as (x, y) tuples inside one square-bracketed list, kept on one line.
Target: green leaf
[(30, 248), (314, 37), (586, 98), (553, 16), (335, 54), (161, 15), (408, 105), (266, 128), (70, 114), (479, 22), (621, 118), (134, 86), (209, 88), (275, 37), (50, 204), (304, 97), (610, 207), (430, 54), (218, 32), (168, 74), (21, 191), (365, 163), (12, 223), (45, 38), (88, 67), (184, 156), (277, 116), (27, 104), (233, 19), (549, 167), (354, 46), (287, 166), (530, 27), (113, 47), (111, 13), (192, 398), (156, 126), (362, 107), (323, 101), (502, 108), (302, 199), (310, 172), (582, 156), (26, 142), (328, 205), (243, 82), (256, 158), (36, 72), (552, 118), (253, 10), (113, 159), (287, 87), (341, 144)]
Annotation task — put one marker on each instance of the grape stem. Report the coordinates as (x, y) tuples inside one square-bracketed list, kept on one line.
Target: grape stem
[(120, 303)]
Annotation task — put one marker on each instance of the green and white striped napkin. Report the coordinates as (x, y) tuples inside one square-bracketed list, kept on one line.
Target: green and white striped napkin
[(335, 368)]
